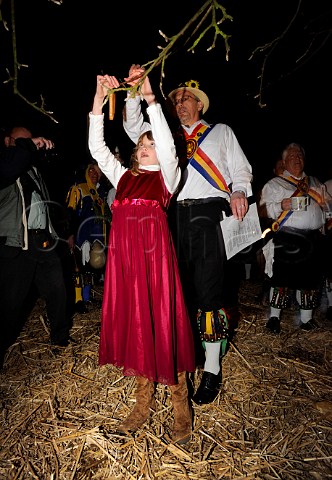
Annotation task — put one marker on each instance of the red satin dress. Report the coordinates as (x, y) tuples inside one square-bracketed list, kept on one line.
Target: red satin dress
[(145, 327)]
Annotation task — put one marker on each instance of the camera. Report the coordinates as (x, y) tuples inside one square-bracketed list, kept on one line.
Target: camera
[(48, 155)]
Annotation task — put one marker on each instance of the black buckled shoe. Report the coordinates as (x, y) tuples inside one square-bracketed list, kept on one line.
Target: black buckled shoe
[(273, 324), (208, 389), (80, 307), (310, 325), (63, 342)]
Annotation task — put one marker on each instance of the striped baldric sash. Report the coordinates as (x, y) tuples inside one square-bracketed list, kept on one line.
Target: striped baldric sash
[(302, 187), (200, 161)]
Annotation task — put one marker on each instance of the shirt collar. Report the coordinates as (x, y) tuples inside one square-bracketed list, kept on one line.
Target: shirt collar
[(151, 168), (194, 125), (286, 173)]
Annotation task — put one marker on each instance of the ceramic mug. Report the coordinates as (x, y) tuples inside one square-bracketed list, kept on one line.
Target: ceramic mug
[(299, 203)]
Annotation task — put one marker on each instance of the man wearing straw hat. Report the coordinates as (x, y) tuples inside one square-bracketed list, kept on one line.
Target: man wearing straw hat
[(216, 181)]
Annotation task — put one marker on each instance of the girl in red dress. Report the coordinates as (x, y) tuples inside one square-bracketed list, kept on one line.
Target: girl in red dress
[(145, 327)]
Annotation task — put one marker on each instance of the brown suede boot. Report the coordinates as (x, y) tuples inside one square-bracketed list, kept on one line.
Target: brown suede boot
[(144, 401), (182, 412)]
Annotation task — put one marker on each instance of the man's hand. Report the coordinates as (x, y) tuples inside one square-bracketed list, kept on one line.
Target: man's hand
[(42, 142), (286, 204), (135, 74), (239, 205)]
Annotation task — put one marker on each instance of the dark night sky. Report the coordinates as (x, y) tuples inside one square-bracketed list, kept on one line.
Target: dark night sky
[(66, 46)]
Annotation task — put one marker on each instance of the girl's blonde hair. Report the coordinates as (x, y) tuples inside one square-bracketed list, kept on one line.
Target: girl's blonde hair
[(134, 165)]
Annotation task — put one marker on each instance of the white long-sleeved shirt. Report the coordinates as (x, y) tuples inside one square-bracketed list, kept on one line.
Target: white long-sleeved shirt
[(165, 149), (277, 189), (220, 145)]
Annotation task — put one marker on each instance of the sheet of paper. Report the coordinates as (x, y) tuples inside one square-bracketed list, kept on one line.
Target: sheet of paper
[(239, 235)]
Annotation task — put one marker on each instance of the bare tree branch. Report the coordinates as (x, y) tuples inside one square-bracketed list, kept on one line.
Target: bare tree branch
[(210, 7), (14, 77), (270, 47), (203, 26), (317, 40)]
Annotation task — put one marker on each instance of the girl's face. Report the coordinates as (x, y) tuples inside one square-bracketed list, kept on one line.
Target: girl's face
[(146, 152)]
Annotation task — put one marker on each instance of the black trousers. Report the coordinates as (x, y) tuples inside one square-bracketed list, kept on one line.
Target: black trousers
[(299, 258), (20, 270), (201, 253)]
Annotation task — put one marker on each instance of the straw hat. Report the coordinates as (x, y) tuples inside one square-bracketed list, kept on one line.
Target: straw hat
[(193, 87)]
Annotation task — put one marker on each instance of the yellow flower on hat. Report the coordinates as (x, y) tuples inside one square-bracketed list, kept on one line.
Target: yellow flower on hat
[(192, 84)]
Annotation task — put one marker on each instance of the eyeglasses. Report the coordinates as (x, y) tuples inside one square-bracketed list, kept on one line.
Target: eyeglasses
[(183, 99)]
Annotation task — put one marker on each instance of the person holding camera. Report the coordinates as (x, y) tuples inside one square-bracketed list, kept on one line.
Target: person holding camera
[(27, 240)]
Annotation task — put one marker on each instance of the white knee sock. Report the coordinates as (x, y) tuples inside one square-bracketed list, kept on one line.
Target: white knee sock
[(329, 298), (212, 357), (305, 315), (274, 312), (247, 267)]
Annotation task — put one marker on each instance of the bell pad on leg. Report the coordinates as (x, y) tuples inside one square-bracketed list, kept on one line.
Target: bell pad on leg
[(212, 326), (279, 298), (308, 299)]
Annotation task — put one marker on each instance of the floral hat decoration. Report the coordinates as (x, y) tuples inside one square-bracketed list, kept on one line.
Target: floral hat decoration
[(193, 87)]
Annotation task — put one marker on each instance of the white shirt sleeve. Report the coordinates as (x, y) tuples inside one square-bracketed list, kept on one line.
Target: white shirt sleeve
[(271, 198), (165, 148), (135, 125), (239, 167), (107, 162), (133, 121)]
